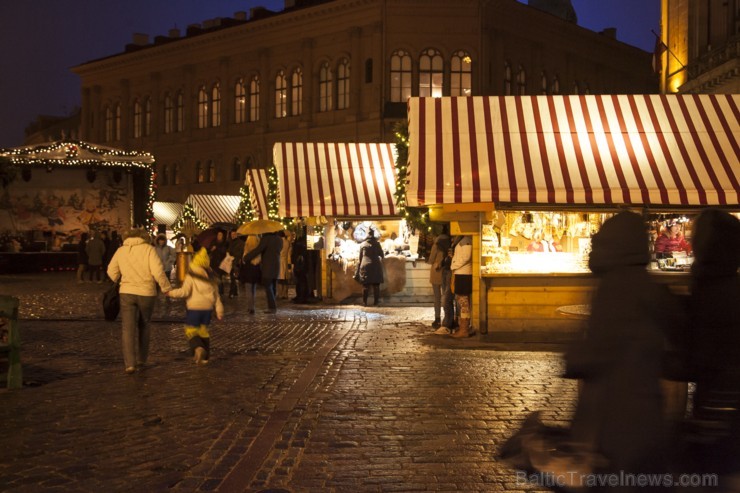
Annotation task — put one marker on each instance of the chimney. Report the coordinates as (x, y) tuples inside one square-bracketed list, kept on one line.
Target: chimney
[(610, 32), (141, 39), (174, 33), (240, 16)]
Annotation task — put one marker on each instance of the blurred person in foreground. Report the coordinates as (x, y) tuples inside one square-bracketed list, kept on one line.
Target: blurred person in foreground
[(619, 413), (139, 268)]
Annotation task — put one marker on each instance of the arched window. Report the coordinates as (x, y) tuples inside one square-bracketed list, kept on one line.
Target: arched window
[(240, 102), (343, 84), (202, 108), (461, 74), (281, 95), (216, 105), (108, 124), (576, 89), (137, 119), (163, 178), (400, 76), (296, 92), (369, 71), (175, 174), (543, 83), (507, 79), (199, 175), (431, 73), (211, 171), (148, 117), (325, 88), (180, 113), (521, 81), (169, 114), (254, 99), (117, 123), (236, 170), (586, 88), (555, 85)]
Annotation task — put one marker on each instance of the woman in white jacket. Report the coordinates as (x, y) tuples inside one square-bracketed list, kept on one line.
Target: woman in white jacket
[(462, 271), (139, 268)]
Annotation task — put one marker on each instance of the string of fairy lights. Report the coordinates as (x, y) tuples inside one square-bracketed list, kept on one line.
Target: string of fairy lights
[(103, 157), (188, 215), (416, 217)]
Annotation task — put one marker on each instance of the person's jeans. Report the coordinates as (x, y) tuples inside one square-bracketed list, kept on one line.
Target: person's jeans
[(448, 299), (251, 291), (269, 285), (437, 292), (136, 312)]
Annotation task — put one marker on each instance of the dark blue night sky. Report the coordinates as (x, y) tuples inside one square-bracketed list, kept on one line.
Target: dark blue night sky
[(42, 39)]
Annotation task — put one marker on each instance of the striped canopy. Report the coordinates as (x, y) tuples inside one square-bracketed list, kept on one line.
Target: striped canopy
[(335, 179), (672, 150), (213, 209), (258, 192), (166, 212)]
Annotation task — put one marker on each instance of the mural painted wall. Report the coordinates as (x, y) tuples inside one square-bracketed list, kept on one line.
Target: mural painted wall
[(65, 201)]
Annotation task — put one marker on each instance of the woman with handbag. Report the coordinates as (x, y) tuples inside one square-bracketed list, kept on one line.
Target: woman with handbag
[(370, 267)]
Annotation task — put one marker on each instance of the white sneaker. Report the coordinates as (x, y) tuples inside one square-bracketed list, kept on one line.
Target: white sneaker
[(442, 331)]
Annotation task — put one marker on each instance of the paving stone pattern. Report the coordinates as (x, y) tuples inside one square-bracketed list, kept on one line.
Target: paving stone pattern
[(316, 398)]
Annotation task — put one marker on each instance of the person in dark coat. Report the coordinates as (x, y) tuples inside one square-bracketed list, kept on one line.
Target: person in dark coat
[(714, 311), (269, 247), (298, 255), (217, 253), (82, 257), (370, 267), (619, 412), (236, 250)]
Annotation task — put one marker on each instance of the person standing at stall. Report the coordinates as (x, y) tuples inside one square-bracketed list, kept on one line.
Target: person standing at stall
[(81, 258), (236, 250), (462, 273), (436, 273), (269, 248), (250, 272), (671, 241), (95, 249), (370, 267)]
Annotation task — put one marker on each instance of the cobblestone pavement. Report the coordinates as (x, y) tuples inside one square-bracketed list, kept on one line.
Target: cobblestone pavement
[(316, 398)]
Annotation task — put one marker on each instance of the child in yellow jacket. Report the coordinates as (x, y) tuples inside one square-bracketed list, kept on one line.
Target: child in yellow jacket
[(201, 293)]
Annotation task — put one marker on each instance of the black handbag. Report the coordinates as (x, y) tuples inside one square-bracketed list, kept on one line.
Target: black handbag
[(111, 303)]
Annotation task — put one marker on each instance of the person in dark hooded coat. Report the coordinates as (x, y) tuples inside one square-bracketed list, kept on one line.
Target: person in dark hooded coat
[(619, 412), (370, 268)]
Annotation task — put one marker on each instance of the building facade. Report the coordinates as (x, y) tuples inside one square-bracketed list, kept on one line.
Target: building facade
[(211, 102), (702, 41)]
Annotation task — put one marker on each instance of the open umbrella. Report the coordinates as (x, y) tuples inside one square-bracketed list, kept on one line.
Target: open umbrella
[(208, 236), (260, 226)]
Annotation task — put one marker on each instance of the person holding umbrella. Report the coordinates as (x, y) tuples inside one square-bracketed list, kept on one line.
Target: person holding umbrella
[(269, 248)]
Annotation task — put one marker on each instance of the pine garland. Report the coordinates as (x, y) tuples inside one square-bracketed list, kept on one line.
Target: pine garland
[(416, 217)]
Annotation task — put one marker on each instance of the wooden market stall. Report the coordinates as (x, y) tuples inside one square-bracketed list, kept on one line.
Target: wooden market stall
[(348, 188), (505, 169)]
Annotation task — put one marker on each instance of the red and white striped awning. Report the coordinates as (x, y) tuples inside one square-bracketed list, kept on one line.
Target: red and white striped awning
[(166, 212), (213, 209), (677, 150), (258, 192), (336, 179)]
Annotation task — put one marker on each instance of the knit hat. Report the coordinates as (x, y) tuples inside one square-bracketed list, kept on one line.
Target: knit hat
[(201, 258)]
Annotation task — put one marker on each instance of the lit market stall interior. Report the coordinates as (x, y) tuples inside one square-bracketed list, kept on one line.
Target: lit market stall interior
[(342, 191), (531, 178)]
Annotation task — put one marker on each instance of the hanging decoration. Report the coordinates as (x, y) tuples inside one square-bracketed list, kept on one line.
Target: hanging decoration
[(416, 217)]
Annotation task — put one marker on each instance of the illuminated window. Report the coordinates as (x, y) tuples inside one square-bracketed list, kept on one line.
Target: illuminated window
[(117, 123), (199, 175), (254, 99), (343, 84), (147, 117), (400, 76), (211, 171), (296, 92), (169, 115), (325, 88), (281, 95), (521, 81), (507, 79), (180, 113), (108, 124), (216, 105), (240, 102), (137, 119), (431, 75), (461, 74), (202, 108)]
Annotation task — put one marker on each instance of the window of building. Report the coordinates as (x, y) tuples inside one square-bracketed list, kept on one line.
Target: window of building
[(236, 170), (543, 83), (176, 174), (108, 124), (461, 74), (521, 81), (400, 76), (169, 114), (248, 163), (281, 95), (556, 85), (369, 71), (117, 123), (199, 174), (137, 119), (254, 99), (240, 102), (216, 105), (202, 108), (296, 92), (576, 89), (343, 84), (163, 176), (147, 117), (325, 88), (180, 113), (211, 171), (507, 79), (586, 88), (431, 73)]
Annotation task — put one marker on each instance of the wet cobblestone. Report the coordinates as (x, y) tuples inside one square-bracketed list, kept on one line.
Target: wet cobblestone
[(328, 398)]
